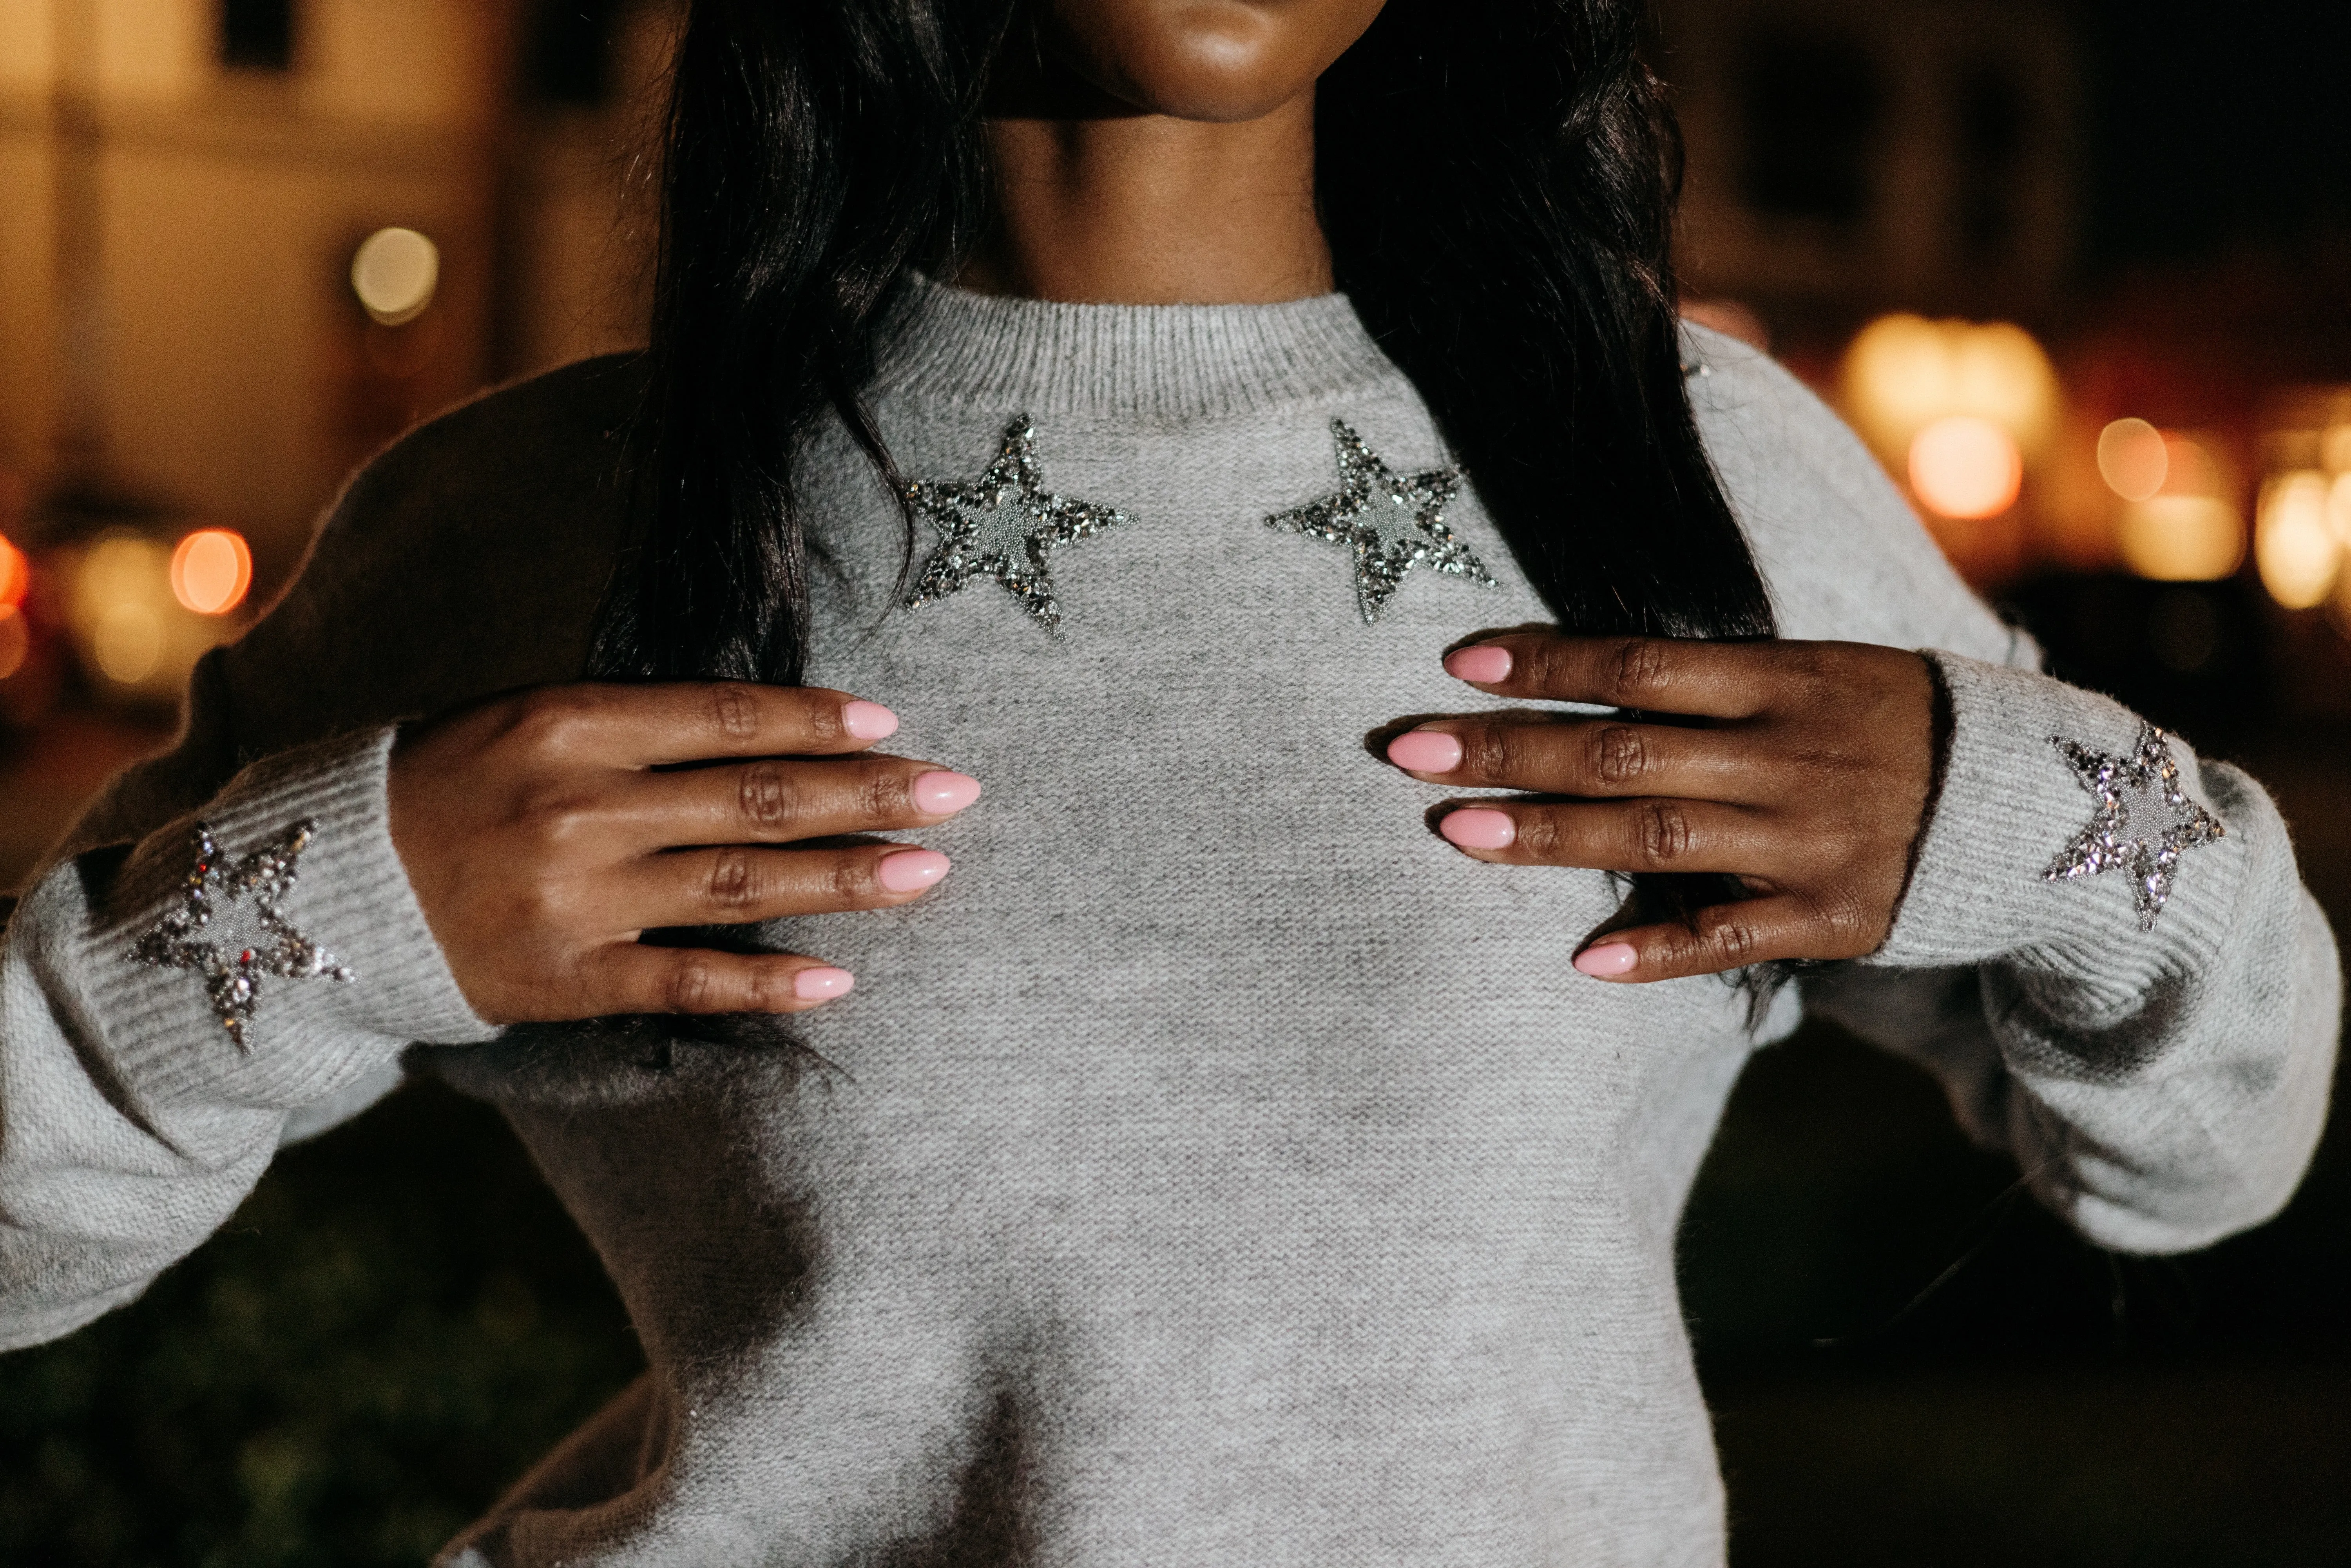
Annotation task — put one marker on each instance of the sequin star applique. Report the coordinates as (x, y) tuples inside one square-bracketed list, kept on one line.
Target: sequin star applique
[(229, 928), (2142, 820), (1393, 522), (1004, 525)]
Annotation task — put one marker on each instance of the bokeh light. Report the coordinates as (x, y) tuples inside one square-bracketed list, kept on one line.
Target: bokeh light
[(1903, 372), (15, 575), (210, 571), (127, 643), (394, 273), (2294, 548), (2132, 459), (2181, 539), (1966, 466)]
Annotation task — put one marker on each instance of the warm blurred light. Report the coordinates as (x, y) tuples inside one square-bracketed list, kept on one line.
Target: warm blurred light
[(1964, 467), (2293, 545), (15, 575), (1903, 372), (210, 571), (16, 641), (2334, 449), (129, 643), (2131, 458), (2181, 539), (2338, 509), (394, 273)]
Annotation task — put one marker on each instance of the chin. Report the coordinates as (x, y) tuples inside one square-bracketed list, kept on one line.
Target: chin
[(1220, 60)]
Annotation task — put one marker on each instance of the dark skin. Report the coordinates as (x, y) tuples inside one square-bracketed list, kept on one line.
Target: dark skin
[(1148, 152)]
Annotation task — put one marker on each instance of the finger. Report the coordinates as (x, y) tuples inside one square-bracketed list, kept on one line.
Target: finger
[(1657, 674), (1581, 756), (737, 885), (650, 726), (776, 801), (1722, 936), (1654, 834), (631, 978)]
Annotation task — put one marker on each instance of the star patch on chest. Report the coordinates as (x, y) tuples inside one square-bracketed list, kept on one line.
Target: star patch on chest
[(229, 928), (1391, 522), (2142, 820), (1003, 525)]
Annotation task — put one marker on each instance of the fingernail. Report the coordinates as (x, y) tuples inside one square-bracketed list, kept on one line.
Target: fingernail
[(869, 721), (1475, 828), (1608, 959), (940, 793), (1485, 665), (820, 985), (1425, 751), (910, 869)]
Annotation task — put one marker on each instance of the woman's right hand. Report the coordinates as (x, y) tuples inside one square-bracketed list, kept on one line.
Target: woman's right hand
[(544, 832)]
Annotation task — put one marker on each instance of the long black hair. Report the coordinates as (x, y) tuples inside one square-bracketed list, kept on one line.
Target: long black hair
[(1497, 178)]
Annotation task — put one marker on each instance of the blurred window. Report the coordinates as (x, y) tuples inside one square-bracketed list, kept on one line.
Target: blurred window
[(1810, 110), (258, 34), (569, 55)]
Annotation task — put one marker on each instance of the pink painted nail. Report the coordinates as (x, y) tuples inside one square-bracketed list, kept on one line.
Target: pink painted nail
[(822, 984), (1608, 959), (910, 869), (1484, 665), (869, 721), (940, 793), (1475, 828), (1425, 751)]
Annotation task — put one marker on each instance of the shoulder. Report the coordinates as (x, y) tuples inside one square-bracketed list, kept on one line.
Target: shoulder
[(466, 558), (1844, 555)]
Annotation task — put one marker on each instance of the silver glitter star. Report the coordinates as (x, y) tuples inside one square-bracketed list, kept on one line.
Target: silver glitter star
[(1393, 521), (1003, 525), (246, 895), (2117, 838)]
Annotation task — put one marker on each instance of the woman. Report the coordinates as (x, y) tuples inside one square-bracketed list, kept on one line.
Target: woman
[(1217, 1167)]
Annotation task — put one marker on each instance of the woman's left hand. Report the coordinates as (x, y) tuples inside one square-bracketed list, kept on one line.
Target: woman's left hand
[(1805, 775)]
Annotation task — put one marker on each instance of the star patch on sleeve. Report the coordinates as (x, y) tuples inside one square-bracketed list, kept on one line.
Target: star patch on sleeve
[(2141, 822), (229, 928), (1003, 525), (1393, 522)]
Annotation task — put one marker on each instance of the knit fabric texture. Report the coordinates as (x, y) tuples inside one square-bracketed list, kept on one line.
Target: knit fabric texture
[(1216, 1168)]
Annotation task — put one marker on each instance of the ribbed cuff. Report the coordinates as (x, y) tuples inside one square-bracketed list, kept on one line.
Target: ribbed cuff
[(310, 1036), (2010, 805)]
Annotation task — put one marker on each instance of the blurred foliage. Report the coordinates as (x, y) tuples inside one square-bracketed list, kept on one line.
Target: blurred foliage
[(394, 1325)]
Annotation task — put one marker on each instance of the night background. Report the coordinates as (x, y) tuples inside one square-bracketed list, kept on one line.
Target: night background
[(215, 299)]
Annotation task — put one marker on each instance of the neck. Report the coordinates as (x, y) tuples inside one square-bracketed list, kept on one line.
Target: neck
[(1147, 209)]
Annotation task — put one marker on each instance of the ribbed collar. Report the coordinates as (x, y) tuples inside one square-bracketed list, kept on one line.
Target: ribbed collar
[(1159, 362)]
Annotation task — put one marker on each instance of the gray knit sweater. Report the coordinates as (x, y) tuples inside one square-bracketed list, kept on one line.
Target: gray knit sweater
[(1217, 1168)]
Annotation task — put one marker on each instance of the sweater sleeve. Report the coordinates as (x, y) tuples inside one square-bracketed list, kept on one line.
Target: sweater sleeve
[(133, 1119), (2150, 1032), (2159, 1069)]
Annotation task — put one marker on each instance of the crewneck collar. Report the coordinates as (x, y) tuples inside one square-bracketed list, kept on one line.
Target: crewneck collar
[(1156, 362)]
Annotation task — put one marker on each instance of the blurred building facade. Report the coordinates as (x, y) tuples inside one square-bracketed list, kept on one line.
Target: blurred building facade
[(186, 183), (1849, 157)]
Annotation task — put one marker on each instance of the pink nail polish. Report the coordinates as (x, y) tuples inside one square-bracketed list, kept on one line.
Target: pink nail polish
[(1475, 828), (940, 793), (910, 869), (1484, 665), (1425, 751), (1608, 959), (822, 984), (869, 721)]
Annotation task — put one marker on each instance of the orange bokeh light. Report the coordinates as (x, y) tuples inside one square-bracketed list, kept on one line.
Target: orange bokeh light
[(1966, 467), (15, 575), (210, 571)]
